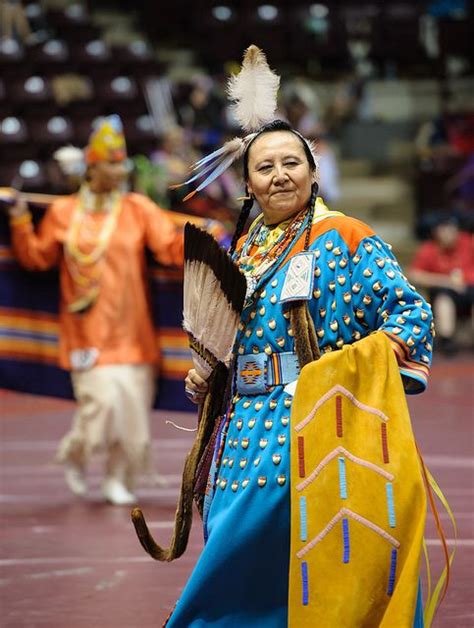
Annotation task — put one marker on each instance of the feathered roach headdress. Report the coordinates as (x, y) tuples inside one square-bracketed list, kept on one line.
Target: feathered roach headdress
[(253, 93)]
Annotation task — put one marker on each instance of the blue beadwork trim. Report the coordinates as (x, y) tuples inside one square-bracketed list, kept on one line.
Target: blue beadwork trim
[(304, 583), (393, 569), (390, 505), (303, 520), (342, 478), (345, 537)]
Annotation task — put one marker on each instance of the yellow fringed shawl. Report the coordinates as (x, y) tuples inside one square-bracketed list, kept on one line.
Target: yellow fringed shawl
[(357, 497)]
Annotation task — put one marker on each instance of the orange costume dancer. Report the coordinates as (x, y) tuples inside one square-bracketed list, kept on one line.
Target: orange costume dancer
[(107, 340)]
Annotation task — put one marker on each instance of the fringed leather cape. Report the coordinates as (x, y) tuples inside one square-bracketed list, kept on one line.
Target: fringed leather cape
[(357, 497)]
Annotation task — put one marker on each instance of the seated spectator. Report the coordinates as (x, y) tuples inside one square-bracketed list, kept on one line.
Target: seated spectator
[(444, 265), (300, 116), (168, 165), (201, 114), (14, 22), (175, 155), (329, 174)]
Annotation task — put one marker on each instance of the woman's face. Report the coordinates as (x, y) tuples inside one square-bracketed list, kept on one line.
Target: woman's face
[(106, 176), (279, 175)]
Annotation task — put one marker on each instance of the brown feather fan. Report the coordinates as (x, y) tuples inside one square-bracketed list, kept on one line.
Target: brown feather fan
[(214, 295)]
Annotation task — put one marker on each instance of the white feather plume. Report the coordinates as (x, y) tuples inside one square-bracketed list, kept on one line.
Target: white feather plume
[(313, 149), (254, 91)]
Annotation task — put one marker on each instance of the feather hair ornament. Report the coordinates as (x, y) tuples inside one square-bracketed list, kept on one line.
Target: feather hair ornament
[(254, 95), (214, 164), (214, 295), (254, 91)]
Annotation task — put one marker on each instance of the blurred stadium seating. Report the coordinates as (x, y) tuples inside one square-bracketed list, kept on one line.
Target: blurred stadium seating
[(86, 59)]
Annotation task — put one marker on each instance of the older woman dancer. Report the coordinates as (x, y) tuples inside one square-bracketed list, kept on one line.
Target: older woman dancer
[(355, 288), (314, 503)]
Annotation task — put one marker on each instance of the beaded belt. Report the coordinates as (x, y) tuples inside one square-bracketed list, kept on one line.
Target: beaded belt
[(257, 372)]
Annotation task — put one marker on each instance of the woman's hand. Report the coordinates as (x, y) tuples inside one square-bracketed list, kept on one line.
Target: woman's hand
[(195, 387)]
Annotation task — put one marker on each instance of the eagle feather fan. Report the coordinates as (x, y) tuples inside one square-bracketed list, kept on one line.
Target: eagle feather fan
[(214, 294)]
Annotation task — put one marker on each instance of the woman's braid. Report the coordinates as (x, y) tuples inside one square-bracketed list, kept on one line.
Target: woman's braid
[(244, 214), (312, 201)]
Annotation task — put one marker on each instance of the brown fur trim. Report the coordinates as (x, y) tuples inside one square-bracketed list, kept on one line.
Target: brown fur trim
[(210, 410), (313, 339), (306, 343)]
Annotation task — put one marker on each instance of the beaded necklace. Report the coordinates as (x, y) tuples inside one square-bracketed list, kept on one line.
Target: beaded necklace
[(78, 223), (270, 243), (86, 268)]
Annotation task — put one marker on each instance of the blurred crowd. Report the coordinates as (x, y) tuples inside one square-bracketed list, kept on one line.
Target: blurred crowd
[(62, 73)]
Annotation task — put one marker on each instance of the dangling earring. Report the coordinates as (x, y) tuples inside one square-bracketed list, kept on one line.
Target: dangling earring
[(248, 196), (245, 198)]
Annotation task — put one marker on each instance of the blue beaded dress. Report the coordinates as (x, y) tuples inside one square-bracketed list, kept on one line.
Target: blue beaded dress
[(241, 577)]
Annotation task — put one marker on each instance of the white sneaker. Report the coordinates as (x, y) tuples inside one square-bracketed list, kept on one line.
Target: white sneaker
[(74, 477), (116, 493)]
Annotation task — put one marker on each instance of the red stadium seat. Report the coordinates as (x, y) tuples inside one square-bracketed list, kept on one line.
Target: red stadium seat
[(5, 107), (51, 57), (56, 131), (94, 51), (83, 129), (95, 59), (137, 59), (139, 127), (31, 174), (136, 51), (12, 60), (83, 110), (73, 23), (10, 52), (121, 95), (140, 134), (14, 140), (34, 89), (13, 131), (33, 96), (119, 88)]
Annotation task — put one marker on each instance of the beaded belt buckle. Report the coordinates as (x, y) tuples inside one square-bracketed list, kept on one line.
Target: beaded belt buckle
[(258, 371), (252, 374)]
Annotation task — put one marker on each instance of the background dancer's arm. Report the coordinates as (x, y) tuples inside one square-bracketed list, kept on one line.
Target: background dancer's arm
[(162, 237), (35, 250)]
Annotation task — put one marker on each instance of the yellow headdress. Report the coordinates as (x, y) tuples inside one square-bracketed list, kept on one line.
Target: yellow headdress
[(107, 141)]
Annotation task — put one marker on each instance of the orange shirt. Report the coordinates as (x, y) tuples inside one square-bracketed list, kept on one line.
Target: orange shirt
[(119, 323)]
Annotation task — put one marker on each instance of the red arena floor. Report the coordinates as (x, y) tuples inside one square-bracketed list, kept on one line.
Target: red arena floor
[(77, 563)]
